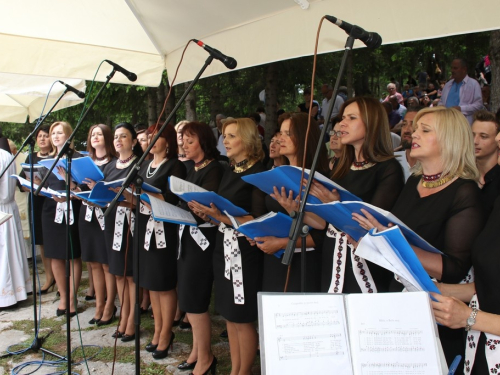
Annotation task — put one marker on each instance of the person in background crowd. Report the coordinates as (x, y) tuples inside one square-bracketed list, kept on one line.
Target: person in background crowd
[(391, 88), (274, 152), (304, 107)]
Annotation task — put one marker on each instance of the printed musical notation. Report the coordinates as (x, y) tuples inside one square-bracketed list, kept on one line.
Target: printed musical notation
[(303, 319), (390, 340), (310, 346), (394, 368)]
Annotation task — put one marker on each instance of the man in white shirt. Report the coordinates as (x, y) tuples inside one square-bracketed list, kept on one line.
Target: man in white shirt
[(327, 92)]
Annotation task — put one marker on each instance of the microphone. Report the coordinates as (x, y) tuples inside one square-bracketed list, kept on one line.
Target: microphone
[(80, 94), (371, 40), (131, 76), (229, 62)]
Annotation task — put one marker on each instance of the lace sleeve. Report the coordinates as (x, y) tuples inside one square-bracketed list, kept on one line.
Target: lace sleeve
[(465, 222), (390, 183)]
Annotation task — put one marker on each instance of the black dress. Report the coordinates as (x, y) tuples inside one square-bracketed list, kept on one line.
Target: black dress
[(275, 273), (37, 201), (118, 258), (158, 266), (194, 266), (93, 241), (379, 185), (243, 308), (486, 262), (54, 234), (450, 220)]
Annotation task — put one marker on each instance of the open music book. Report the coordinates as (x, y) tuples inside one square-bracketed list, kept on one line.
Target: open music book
[(188, 192), (357, 334), (81, 168), (289, 177), (37, 169), (47, 192), (164, 211)]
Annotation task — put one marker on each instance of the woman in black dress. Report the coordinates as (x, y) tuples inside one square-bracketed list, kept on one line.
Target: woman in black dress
[(54, 227), (367, 168), (46, 150), (159, 241), (441, 202), (194, 263), (117, 234), (91, 222), (236, 291), (276, 275)]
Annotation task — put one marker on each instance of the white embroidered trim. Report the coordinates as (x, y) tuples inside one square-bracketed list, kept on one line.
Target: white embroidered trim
[(62, 211), (233, 265), (153, 226), (197, 236), (98, 214), (121, 213)]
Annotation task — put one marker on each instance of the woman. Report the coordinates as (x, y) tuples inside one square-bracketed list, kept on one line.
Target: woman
[(45, 150), (304, 107), (276, 159), (15, 281), (91, 222), (181, 155), (54, 228), (142, 138), (117, 223), (158, 252), (367, 168), (441, 202), (238, 305), (335, 145), (194, 264), (275, 274)]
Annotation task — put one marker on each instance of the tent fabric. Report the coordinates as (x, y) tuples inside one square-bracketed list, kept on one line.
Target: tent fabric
[(69, 38), (25, 95)]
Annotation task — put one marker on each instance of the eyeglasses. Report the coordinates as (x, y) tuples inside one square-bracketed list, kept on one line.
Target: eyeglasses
[(337, 134)]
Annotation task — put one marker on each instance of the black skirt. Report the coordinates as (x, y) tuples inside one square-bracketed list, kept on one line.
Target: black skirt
[(119, 261), (92, 240), (195, 272)]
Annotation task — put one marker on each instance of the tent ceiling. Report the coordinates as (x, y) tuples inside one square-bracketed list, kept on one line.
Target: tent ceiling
[(69, 38)]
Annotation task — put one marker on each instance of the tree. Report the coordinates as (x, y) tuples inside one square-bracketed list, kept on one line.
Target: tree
[(495, 69)]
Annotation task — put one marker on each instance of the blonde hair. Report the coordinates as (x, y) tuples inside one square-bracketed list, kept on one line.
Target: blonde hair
[(455, 140), (67, 129), (247, 130), (179, 124)]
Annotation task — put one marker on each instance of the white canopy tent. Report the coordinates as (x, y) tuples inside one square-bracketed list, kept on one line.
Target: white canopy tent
[(24, 95), (69, 38)]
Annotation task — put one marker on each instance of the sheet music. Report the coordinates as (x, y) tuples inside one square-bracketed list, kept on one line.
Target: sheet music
[(165, 211), (294, 327), (392, 333), (179, 186)]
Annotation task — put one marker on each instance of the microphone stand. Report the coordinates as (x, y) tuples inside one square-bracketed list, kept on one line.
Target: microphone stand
[(68, 151), (298, 217), (30, 142), (132, 177)]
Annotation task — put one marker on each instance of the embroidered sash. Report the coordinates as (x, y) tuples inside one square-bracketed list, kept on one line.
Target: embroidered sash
[(232, 258)]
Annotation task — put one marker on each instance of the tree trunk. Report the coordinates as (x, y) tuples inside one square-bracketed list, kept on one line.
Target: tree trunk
[(170, 103), (190, 104), (495, 69), (271, 101), (152, 116), (216, 106), (160, 102), (349, 74)]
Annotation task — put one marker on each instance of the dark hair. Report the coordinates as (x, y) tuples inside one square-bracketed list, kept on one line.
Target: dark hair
[(254, 116), (462, 62), (377, 145), (137, 150), (140, 126), (44, 128), (108, 141), (298, 131), (486, 116), (414, 109), (170, 135), (205, 137), (260, 109)]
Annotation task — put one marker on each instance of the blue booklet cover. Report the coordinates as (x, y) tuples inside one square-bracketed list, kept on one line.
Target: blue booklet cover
[(405, 253), (46, 192), (101, 192), (190, 192), (81, 168), (340, 215), (289, 177)]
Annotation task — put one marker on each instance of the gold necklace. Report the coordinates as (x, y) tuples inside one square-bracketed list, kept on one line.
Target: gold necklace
[(243, 166), (359, 166), (202, 165), (435, 181)]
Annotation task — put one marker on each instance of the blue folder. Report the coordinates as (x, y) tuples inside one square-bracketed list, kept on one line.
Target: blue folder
[(81, 168)]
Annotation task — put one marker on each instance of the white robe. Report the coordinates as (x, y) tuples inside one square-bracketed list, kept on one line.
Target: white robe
[(15, 280)]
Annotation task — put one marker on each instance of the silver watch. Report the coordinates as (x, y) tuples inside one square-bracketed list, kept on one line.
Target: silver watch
[(471, 320)]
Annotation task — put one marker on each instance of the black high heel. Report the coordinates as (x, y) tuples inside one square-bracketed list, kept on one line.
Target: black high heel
[(178, 321), (105, 322), (187, 366), (151, 347), (94, 321), (211, 369), (160, 354), (51, 286)]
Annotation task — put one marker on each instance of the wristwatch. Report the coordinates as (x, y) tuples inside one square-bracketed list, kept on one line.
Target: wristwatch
[(471, 320)]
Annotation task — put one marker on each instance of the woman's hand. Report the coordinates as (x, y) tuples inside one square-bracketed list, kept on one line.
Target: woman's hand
[(205, 212), (59, 199), (62, 172), (368, 221), (322, 193), (250, 241), (450, 312), (271, 244), (286, 201), (90, 183)]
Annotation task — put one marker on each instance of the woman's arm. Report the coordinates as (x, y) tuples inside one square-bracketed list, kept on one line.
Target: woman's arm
[(463, 292), (271, 244)]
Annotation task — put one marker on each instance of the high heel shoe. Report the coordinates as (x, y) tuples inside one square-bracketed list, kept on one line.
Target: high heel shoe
[(110, 320), (94, 321), (118, 334), (187, 366), (178, 321), (151, 347), (51, 286), (211, 369), (127, 338), (160, 354)]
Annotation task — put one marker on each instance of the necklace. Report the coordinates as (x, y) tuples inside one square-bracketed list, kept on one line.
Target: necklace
[(121, 164), (43, 154), (242, 166), (150, 174), (435, 180), (360, 165), (126, 160), (101, 159), (202, 164), (182, 156)]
